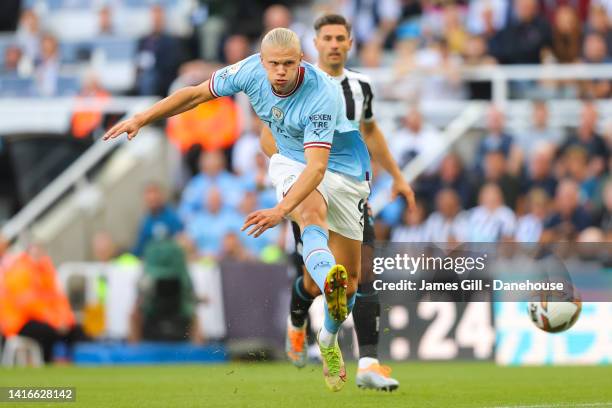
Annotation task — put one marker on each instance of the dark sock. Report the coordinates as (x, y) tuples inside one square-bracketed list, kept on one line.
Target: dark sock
[(300, 302), (366, 315)]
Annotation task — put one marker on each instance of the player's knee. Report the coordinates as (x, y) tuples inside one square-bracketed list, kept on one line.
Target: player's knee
[(313, 216)]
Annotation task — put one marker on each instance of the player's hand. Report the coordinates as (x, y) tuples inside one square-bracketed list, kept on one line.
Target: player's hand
[(130, 126), (262, 220), (400, 186)]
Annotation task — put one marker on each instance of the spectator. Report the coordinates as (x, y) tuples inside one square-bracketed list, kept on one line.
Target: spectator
[(246, 148), (371, 55), (530, 226), (275, 16), (4, 244), (391, 210), (599, 23), (496, 171), (213, 173), (534, 33), (89, 107), (5, 257), (372, 20), (48, 66), (32, 303), (567, 34), (29, 34), (159, 57), (486, 16), (491, 220), (576, 166), (605, 215), (497, 139), (451, 175), (165, 306), (586, 136), (540, 130), (236, 48), (590, 235), (279, 15), (475, 55), (416, 138), (569, 217), (441, 72), (540, 170), (103, 247), (208, 227), (595, 49), (448, 223), (233, 250), (160, 221), (580, 7), (105, 21), (596, 52), (12, 57), (455, 34), (412, 228), (253, 245)]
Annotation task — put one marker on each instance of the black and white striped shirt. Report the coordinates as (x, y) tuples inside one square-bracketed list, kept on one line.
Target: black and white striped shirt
[(358, 96)]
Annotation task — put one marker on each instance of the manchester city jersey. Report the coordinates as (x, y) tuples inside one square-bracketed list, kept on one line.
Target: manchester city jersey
[(312, 114)]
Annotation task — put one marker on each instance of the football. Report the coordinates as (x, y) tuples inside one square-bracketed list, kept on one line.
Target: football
[(554, 317)]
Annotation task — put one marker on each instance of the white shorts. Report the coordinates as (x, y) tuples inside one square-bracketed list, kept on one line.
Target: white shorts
[(345, 196)]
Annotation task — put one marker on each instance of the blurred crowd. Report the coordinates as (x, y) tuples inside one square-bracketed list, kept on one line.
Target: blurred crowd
[(544, 185), (415, 38)]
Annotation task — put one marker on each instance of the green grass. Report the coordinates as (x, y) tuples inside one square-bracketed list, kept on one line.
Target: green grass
[(282, 385)]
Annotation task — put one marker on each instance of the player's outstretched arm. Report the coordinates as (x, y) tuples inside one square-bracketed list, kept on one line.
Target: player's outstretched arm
[(377, 145), (181, 101), (309, 179), (266, 142)]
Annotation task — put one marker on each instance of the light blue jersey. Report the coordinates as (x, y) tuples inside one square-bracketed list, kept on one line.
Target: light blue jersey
[(313, 114)]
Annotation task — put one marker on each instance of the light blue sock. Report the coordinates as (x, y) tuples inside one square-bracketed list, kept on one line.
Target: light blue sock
[(317, 256), (332, 325)]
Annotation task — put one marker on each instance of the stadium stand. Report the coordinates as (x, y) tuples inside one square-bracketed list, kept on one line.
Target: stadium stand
[(513, 137)]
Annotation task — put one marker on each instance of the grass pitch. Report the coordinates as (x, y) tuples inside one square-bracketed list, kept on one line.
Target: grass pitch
[(281, 385)]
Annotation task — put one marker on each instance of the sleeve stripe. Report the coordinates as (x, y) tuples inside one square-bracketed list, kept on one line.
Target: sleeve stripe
[(211, 85), (324, 145)]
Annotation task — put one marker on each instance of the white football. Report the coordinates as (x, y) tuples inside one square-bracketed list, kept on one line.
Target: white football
[(554, 317)]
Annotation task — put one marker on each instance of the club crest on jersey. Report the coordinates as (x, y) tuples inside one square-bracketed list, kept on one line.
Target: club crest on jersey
[(277, 114)]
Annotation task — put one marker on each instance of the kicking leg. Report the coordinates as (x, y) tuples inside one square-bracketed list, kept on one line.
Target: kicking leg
[(348, 254), (331, 279)]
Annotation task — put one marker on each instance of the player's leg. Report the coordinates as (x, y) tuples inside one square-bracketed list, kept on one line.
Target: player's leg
[(348, 253), (366, 315), (339, 294), (331, 278), (302, 296)]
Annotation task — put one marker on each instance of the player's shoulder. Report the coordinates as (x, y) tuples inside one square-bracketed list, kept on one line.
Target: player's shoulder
[(246, 65), (359, 76), (320, 84), (316, 76)]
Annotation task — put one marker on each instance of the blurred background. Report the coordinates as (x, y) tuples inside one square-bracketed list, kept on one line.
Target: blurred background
[(498, 111)]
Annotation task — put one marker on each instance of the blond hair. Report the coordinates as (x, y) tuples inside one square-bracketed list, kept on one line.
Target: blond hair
[(281, 38)]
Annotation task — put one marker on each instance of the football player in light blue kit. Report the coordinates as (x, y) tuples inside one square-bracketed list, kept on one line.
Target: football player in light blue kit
[(321, 172)]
